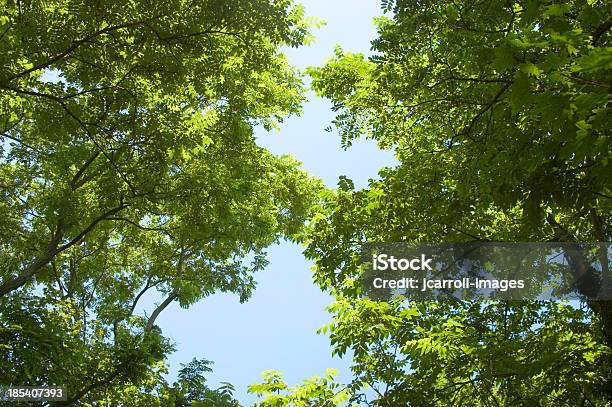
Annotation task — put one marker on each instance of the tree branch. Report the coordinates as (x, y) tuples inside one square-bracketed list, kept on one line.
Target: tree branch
[(90, 227), (173, 295), (159, 309), (139, 226), (37, 264), (485, 108), (80, 122), (101, 382), (75, 45), (601, 30), (52, 250), (76, 181), (588, 281)]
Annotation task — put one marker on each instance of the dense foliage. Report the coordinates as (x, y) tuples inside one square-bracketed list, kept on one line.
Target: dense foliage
[(321, 391), (128, 166), (499, 116)]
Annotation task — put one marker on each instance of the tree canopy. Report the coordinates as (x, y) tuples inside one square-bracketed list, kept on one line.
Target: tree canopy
[(498, 113), (128, 166)]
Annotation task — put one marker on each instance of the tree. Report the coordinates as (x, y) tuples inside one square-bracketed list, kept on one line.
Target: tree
[(128, 166), (498, 114), (319, 391), (190, 390)]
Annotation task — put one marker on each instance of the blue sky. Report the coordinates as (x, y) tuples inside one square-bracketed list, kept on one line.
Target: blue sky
[(276, 328)]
